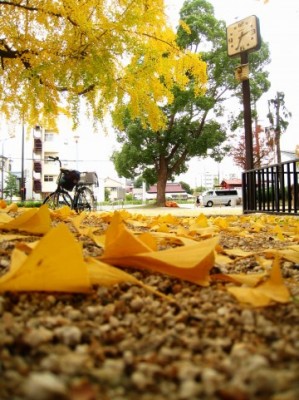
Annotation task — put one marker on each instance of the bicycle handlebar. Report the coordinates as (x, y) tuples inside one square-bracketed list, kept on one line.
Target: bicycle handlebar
[(55, 159)]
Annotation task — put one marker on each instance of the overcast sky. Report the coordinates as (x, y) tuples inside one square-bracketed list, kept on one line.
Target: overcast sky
[(279, 24)]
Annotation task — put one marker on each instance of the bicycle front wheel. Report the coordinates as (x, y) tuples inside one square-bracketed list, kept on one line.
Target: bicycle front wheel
[(84, 200), (58, 199)]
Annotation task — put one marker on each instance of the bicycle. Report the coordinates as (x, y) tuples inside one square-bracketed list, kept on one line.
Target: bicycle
[(69, 180)]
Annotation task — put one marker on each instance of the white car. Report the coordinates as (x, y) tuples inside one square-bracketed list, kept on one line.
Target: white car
[(220, 197)]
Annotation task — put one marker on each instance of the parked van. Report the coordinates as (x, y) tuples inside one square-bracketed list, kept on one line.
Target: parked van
[(219, 197)]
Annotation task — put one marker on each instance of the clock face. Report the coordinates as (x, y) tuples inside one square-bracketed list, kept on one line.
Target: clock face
[(243, 36)]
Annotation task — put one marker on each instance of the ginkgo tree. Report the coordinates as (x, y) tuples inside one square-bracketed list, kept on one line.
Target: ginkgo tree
[(111, 53)]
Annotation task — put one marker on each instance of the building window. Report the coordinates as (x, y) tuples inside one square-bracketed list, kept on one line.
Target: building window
[(49, 137), (48, 178)]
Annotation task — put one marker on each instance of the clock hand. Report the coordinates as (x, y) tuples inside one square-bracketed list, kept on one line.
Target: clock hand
[(241, 37), (240, 40)]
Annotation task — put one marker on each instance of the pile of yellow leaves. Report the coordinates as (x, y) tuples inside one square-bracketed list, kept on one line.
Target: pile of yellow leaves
[(55, 262)]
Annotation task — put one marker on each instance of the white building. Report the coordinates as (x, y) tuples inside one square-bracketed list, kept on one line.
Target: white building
[(40, 173)]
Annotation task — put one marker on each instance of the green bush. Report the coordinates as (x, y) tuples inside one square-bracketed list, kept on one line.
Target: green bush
[(29, 204)]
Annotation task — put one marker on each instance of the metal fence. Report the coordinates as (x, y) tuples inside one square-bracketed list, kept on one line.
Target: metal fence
[(272, 189)]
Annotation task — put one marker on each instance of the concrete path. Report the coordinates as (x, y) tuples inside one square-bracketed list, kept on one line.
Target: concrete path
[(185, 210)]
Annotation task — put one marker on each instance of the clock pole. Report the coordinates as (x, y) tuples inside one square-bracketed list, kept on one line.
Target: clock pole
[(247, 117), (243, 37), (248, 135)]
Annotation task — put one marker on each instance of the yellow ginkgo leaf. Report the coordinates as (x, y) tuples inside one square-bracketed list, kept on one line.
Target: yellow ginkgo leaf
[(162, 228), (290, 255), (294, 247), (202, 221), (222, 260), (149, 240), (272, 289), (245, 279), (136, 223), (120, 241), (62, 213), (7, 237), (174, 239), (55, 264), (203, 232), (167, 219), (191, 263), (222, 222), (5, 218), (26, 247), (250, 296), (36, 221), (78, 219), (12, 207), (103, 274), (99, 240), (235, 252)]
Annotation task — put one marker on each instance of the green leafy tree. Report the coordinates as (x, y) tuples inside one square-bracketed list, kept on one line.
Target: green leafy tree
[(11, 186), (186, 187), (107, 194), (138, 182), (194, 123)]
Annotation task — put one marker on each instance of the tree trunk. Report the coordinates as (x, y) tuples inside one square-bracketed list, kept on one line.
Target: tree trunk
[(161, 184)]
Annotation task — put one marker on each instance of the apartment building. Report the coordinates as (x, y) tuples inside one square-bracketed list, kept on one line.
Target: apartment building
[(41, 174)]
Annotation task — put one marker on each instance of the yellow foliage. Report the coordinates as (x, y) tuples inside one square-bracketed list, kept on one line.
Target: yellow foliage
[(56, 262), (33, 221), (262, 295), (112, 52), (191, 262)]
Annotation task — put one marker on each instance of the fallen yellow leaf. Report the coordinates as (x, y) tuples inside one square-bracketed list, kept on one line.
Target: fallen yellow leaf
[(191, 263), (266, 292), (103, 274), (238, 252), (7, 237), (245, 279), (12, 207), (36, 221), (55, 264), (5, 218), (120, 241)]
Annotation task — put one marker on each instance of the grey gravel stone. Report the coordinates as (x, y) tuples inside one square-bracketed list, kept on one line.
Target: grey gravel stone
[(123, 343), (44, 386)]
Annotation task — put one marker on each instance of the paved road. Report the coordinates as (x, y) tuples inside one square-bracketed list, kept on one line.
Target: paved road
[(184, 210)]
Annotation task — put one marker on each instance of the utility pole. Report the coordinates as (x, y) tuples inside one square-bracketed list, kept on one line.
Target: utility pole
[(277, 130), (23, 188), (278, 123)]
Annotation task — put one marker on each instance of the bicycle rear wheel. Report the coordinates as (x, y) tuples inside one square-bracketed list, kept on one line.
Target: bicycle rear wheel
[(84, 200), (58, 199)]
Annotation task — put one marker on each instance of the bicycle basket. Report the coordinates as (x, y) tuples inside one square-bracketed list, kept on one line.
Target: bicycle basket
[(89, 178), (69, 179)]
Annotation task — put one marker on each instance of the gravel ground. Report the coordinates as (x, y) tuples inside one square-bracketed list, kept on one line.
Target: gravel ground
[(122, 343)]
